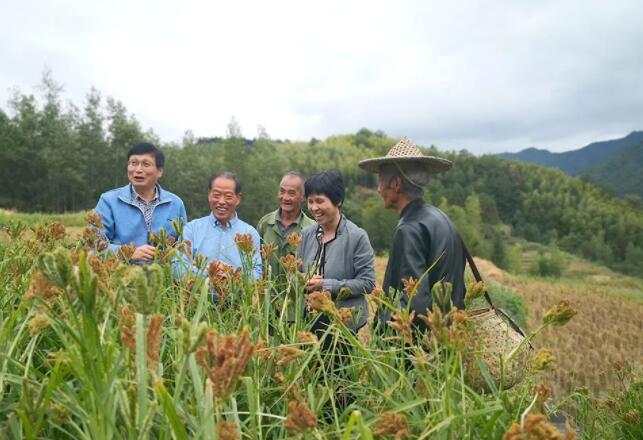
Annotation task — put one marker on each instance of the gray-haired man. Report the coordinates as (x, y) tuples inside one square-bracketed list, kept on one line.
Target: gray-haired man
[(424, 235)]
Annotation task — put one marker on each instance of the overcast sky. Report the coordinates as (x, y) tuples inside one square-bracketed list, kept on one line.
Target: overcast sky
[(485, 76)]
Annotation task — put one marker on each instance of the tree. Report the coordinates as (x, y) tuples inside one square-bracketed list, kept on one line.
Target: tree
[(234, 129)]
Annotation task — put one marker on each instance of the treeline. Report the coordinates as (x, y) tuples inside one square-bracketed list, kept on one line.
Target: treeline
[(56, 157)]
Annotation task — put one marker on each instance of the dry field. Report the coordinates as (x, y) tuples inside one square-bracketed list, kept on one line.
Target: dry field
[(600, 341)]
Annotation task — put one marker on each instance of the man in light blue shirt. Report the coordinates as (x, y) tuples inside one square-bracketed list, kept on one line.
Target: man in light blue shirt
[(214, 235)]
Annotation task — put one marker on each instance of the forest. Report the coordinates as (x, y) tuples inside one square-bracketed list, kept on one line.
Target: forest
[(57, 156)]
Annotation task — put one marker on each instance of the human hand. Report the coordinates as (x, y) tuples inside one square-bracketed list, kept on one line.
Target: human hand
[(145, 252), (314, 283)]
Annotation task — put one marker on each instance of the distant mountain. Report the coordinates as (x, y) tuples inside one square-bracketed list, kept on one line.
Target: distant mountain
[(614, 164), (621, 172)]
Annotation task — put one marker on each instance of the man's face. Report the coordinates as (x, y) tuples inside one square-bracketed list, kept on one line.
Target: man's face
[(290, 194), (142, 171), (223, 199), (386, 187)]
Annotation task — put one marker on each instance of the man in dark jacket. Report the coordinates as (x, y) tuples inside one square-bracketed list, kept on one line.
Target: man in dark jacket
[(426, 245)]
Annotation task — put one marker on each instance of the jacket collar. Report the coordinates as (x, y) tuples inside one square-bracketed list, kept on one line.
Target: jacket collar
[(276, 215), (341, 227), (412, 206), (134, 194), (125, 194), (217, 224)]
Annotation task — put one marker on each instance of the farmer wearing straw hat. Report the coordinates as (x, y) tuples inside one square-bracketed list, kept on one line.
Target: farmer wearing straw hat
[(424, 235)]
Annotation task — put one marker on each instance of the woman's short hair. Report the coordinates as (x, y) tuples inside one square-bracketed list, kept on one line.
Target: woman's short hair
[(328, 183)]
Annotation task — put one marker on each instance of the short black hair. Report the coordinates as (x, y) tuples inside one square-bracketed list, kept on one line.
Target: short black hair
[(328, 183), (147, 148), (226, 175)]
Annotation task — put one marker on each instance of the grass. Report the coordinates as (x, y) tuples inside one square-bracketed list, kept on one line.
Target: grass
[(72, 219), (96, 348)]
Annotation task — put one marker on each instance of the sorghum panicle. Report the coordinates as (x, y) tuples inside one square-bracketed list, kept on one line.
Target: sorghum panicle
[(224, 358), (293, 239), (227, 431), (267, 250), (127, 321), (402, 322), (154, 333), (244, 243), (392, 424), (536, 427), (410, 286), (543, 360), (300, 418), (560, 314), (291, 263)]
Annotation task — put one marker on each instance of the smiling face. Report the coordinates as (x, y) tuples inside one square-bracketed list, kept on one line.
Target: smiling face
[(142, 171), (322, 209), (291, 194), (223, 199)]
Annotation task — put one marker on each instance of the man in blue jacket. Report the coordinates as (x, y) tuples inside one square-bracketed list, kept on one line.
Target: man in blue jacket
[(131, 212)]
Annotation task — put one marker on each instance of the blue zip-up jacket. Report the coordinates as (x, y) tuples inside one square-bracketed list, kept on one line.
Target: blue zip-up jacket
[(123, 221)]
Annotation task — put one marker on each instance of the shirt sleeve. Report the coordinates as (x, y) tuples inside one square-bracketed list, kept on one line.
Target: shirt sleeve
[(363, 268), (107, 219), (257, 268)]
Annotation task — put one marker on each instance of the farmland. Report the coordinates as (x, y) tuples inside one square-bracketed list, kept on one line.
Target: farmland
[(95, 348)]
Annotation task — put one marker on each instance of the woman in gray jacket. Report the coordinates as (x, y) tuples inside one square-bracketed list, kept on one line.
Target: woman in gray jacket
[(335, 250)]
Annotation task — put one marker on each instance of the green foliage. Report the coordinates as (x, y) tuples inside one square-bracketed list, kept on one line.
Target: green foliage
[(64, 158), (95, 348), (377, 221), (514, 259), (549, 264), (615, 416), (622, 173)]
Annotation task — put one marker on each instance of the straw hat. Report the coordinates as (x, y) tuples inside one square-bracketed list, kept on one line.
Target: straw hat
[(409, 158)]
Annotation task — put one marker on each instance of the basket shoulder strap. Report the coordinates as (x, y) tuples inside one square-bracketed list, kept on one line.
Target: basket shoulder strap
[(476, 275), (476, 272)]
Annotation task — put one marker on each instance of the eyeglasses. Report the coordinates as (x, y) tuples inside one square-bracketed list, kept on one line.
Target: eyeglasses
[(144, 164)]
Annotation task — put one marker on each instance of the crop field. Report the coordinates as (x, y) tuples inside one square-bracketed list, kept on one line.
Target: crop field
[(602, 339), (95, 348)]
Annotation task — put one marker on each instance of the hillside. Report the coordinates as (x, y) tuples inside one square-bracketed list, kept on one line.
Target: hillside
[(599, 162), (621, 173), (75, 156), (576, 161)]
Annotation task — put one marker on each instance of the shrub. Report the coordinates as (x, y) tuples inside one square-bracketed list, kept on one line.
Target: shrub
[(550, 264)]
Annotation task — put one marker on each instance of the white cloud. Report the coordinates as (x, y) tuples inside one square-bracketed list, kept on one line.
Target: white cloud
[(486, 76)]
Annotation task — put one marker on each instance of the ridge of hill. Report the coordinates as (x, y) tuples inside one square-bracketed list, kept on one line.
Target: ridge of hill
[(576, 161), (599, 162), (621, 173)]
